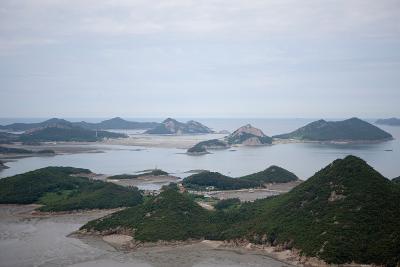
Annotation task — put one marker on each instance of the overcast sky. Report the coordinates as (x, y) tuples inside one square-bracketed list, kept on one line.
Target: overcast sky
[(233, 58)]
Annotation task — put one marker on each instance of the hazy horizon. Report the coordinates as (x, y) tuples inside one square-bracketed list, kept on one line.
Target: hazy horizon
[(258, 59)]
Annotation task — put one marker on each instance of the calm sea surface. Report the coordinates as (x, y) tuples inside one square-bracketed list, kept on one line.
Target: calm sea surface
[(304, 159)]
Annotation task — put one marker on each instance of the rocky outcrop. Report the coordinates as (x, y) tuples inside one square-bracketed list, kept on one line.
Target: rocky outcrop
[(172, 126), (249, 136)]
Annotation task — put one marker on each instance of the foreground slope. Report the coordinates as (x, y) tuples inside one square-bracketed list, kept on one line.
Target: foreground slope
[(168, 216), (345, 213), (58, 190), (352, 129)]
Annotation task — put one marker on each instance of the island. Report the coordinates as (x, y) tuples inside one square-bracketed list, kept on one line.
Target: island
[(345, 213), (350, 130), (249, 136), (155, 172), (172, 126), (3, 166), (204, 146), (114, 123), (396, 180), (117, 123), (20, 151), (65, 189), (206, 179), (390, 122), (66, 133)]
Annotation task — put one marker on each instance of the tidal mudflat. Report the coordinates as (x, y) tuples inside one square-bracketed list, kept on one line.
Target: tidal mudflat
[(31, 240)]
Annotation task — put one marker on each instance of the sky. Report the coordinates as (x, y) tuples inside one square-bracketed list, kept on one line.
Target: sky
[(175, 58)]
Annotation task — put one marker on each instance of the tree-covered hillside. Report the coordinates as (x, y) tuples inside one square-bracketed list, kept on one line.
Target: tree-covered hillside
[(58, 190)]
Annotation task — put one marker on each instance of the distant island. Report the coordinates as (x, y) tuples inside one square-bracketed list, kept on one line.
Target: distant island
[(55, 130), (390, 122), (11, 150), (206, 179), (2, 166), (345, 213), (155, 172), (172, 126), (114, 123), (63, 189), (204, 146), (248, 135), (350, 130)]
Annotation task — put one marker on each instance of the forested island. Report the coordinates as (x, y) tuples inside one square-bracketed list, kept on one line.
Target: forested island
[(155, 172), (204, 146), (345, 213), (206, 179), (352, 130)]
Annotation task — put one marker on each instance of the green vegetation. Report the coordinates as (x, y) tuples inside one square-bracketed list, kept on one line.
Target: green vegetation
[(155, 172), (352, 129), (219, 181), (227, 203), (168, 216), (58, 190), (59, 134), (11, 150), (396, 180), (273, 174), (347, 212), (202, 147)]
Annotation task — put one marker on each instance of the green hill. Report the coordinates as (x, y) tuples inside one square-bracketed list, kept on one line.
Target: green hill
[(273, 174), (155, 172), (168, 216), (57, 190), (345, 212), (396, 180), (352, 129), (200, 181)]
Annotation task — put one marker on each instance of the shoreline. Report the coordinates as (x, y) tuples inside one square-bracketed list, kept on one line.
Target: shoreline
[(124, 241)]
